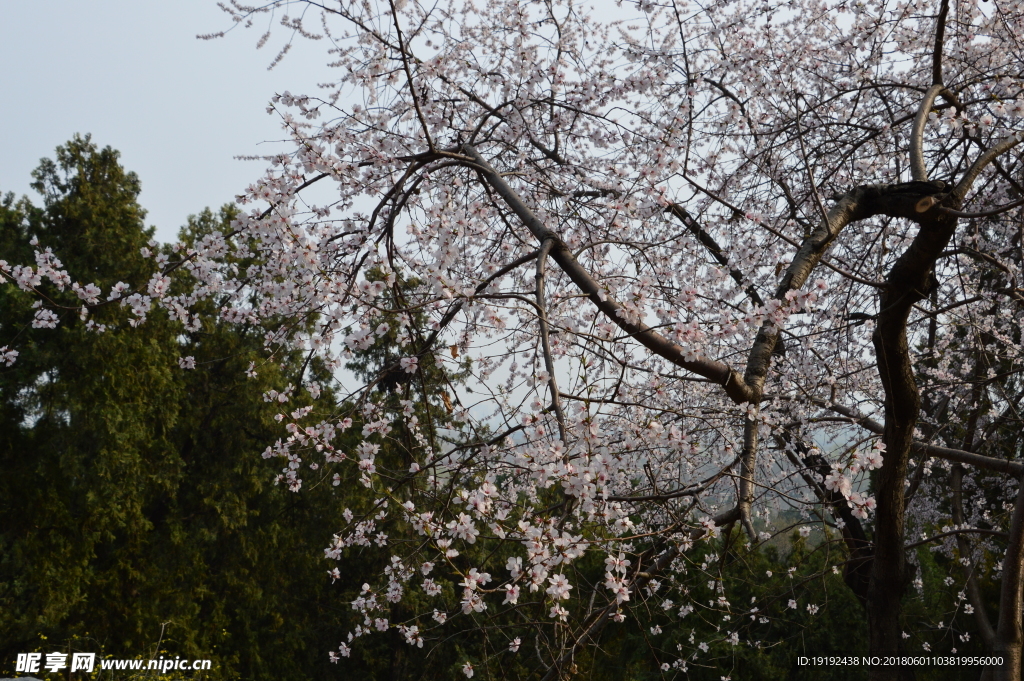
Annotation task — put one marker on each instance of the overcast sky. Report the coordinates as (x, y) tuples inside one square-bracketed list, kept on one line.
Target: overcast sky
[(132, 73)]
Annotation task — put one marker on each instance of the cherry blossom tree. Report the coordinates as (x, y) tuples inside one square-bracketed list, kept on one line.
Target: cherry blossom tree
[(703, 261)]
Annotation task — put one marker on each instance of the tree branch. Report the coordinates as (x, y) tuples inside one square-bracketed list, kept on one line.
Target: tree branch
[(917, 167), (967, 181), (720, 373), (857, 570), (542, 319), (713, 248), (989, 463), (984, 213), (940, 33), (968, 530)]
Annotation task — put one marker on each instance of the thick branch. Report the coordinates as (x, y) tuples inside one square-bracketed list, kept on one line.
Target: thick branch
[(847, 209), (851, 206), (977, 460), (908, 282), (748, 469), (917, 166), (940, 32), (718, 372)]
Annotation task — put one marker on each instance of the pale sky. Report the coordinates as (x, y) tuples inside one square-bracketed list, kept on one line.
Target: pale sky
[(132, 73)]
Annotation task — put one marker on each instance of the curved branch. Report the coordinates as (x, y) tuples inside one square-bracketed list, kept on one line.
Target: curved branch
[(967, 181), (855, 573), (917, 167), (856, 204), (734, 385), (851, 206)]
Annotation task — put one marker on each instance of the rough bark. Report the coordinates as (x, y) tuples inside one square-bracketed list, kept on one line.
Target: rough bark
[(909, 282)]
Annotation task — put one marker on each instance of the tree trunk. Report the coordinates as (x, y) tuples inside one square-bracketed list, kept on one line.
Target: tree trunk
[(888, 570), (909, 282), (1009, 636)]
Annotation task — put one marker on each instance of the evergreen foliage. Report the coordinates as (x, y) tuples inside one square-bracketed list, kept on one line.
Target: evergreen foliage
[(135, 509)]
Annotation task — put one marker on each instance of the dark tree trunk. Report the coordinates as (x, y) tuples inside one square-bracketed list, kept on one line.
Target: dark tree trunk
[(909, 281)]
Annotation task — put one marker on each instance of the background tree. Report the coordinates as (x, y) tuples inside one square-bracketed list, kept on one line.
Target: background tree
[(707, 261), (137, 511), (88, 415)]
